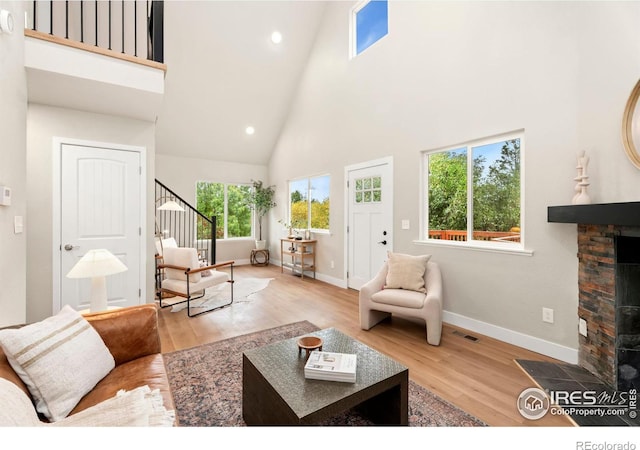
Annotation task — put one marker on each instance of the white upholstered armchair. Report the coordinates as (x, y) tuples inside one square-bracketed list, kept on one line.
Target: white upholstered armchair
[(184, 277), (419, 298)]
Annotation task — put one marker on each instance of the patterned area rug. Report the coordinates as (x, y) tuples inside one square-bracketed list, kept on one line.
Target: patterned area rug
[(206, 382)]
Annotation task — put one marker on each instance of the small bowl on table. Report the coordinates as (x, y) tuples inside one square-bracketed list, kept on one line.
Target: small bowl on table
[(309, 344)]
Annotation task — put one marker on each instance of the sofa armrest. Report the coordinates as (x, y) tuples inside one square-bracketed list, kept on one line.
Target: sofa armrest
[(128, 333)]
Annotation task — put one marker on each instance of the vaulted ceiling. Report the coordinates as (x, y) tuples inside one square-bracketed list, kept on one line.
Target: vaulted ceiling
[(224, 74)]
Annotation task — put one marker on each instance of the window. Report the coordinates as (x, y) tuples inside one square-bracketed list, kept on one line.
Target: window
[(309, 206), (228, 202), (473, 192), (368, 190), (369, 24)]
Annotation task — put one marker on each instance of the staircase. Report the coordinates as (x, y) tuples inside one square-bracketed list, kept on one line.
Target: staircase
[(189, 228)]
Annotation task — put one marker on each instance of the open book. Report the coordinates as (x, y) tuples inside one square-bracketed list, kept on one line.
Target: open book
[(331, 366)]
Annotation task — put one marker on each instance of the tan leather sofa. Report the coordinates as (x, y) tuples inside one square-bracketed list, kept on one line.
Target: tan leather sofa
[(132, 336)]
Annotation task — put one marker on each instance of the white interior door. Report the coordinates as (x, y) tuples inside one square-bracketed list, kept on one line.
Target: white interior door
[(100, 207), (370, 219)]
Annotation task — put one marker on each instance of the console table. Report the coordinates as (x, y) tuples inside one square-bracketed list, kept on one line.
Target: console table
[(301, 253)]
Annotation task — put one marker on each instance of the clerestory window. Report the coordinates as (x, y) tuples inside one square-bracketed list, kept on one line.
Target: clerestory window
[(369, 24)]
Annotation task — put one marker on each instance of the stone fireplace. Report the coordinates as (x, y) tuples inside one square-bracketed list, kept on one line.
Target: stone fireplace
[(609, 288)]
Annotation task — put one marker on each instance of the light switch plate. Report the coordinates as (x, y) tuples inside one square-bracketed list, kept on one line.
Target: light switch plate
[(17, 224), (405, 224)]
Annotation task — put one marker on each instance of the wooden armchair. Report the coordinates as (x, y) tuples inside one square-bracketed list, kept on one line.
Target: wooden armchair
[(184, 277)]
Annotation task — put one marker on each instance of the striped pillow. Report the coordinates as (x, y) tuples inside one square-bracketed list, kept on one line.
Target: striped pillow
[(60, 359)]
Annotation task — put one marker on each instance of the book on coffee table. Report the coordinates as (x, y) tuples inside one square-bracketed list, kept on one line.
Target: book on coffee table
[(331, 366)]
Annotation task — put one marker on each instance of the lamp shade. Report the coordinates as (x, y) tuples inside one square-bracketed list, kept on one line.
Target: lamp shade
[(97, 263), (170, 205)]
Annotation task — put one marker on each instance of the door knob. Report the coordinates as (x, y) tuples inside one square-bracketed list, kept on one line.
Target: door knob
[(69, 247), (383, 242)]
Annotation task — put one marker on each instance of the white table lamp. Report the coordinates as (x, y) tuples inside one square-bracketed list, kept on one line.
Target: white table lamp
[(170, 205), (97, 264)]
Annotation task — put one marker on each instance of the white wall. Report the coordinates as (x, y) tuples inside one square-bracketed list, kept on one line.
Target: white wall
[(181, 175), (13, 119), (43, 124), (449, 72)]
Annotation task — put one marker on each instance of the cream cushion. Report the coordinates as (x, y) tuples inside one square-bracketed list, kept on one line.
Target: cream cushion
[(60, 359), (139, 407), (182, 257), (406, 272), (180, 286), (166, 243), (399, 297)]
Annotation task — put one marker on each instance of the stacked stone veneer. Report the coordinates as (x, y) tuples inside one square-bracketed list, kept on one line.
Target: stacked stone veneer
[(597, 293)]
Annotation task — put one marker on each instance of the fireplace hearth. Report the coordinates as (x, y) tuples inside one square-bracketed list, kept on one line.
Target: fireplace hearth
[(609, 288)]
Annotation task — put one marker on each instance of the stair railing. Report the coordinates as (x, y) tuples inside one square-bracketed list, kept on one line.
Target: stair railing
[(189, 228), (130, 27)]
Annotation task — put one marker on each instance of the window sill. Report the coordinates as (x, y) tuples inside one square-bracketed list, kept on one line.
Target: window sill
[(476, 246)]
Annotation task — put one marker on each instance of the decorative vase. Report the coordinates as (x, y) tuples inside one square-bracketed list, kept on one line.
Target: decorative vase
[(261, 245), (581, 197)]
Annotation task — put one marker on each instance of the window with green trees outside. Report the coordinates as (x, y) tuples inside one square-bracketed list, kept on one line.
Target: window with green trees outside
[(473, 191), (228, 202), (309, 203)]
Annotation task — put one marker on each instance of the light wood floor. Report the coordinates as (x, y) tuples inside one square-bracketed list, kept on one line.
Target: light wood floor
[(479, 377)]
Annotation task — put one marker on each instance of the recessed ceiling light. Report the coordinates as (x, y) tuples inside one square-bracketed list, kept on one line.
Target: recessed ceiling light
[(249, 130), (276, 37)]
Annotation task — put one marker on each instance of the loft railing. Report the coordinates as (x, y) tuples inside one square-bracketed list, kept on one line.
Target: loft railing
[(130, 27), (189, 228)]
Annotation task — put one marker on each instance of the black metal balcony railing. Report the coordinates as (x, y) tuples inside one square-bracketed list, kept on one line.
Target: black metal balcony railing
[(131, 27)]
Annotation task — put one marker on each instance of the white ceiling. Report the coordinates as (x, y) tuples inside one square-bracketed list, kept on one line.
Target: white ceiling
[(224, 74)]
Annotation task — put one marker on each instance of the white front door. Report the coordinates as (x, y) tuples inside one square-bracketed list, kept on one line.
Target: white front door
[(370, 219), (100, 207)]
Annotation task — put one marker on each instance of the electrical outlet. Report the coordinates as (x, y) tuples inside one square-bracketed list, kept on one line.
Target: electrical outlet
[(582, 327), (547, 315), (405, 224), (333, 265)]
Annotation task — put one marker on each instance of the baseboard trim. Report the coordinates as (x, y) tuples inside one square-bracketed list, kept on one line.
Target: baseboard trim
[(319, 276), (553, 350)]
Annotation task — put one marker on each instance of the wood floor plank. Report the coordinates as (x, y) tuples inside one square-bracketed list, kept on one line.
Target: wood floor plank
[(479, 377)]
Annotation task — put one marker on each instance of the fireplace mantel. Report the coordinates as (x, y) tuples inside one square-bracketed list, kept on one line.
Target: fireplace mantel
[(623, 214)]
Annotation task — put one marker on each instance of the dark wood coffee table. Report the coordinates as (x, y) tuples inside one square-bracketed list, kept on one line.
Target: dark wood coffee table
[(275, 391)]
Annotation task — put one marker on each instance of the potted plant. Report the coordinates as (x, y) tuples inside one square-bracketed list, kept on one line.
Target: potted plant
[(261, 201)]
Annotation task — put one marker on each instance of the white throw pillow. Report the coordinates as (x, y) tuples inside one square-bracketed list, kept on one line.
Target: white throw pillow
[(16, 409), (406, 272), (182, 257), (60, 359)]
